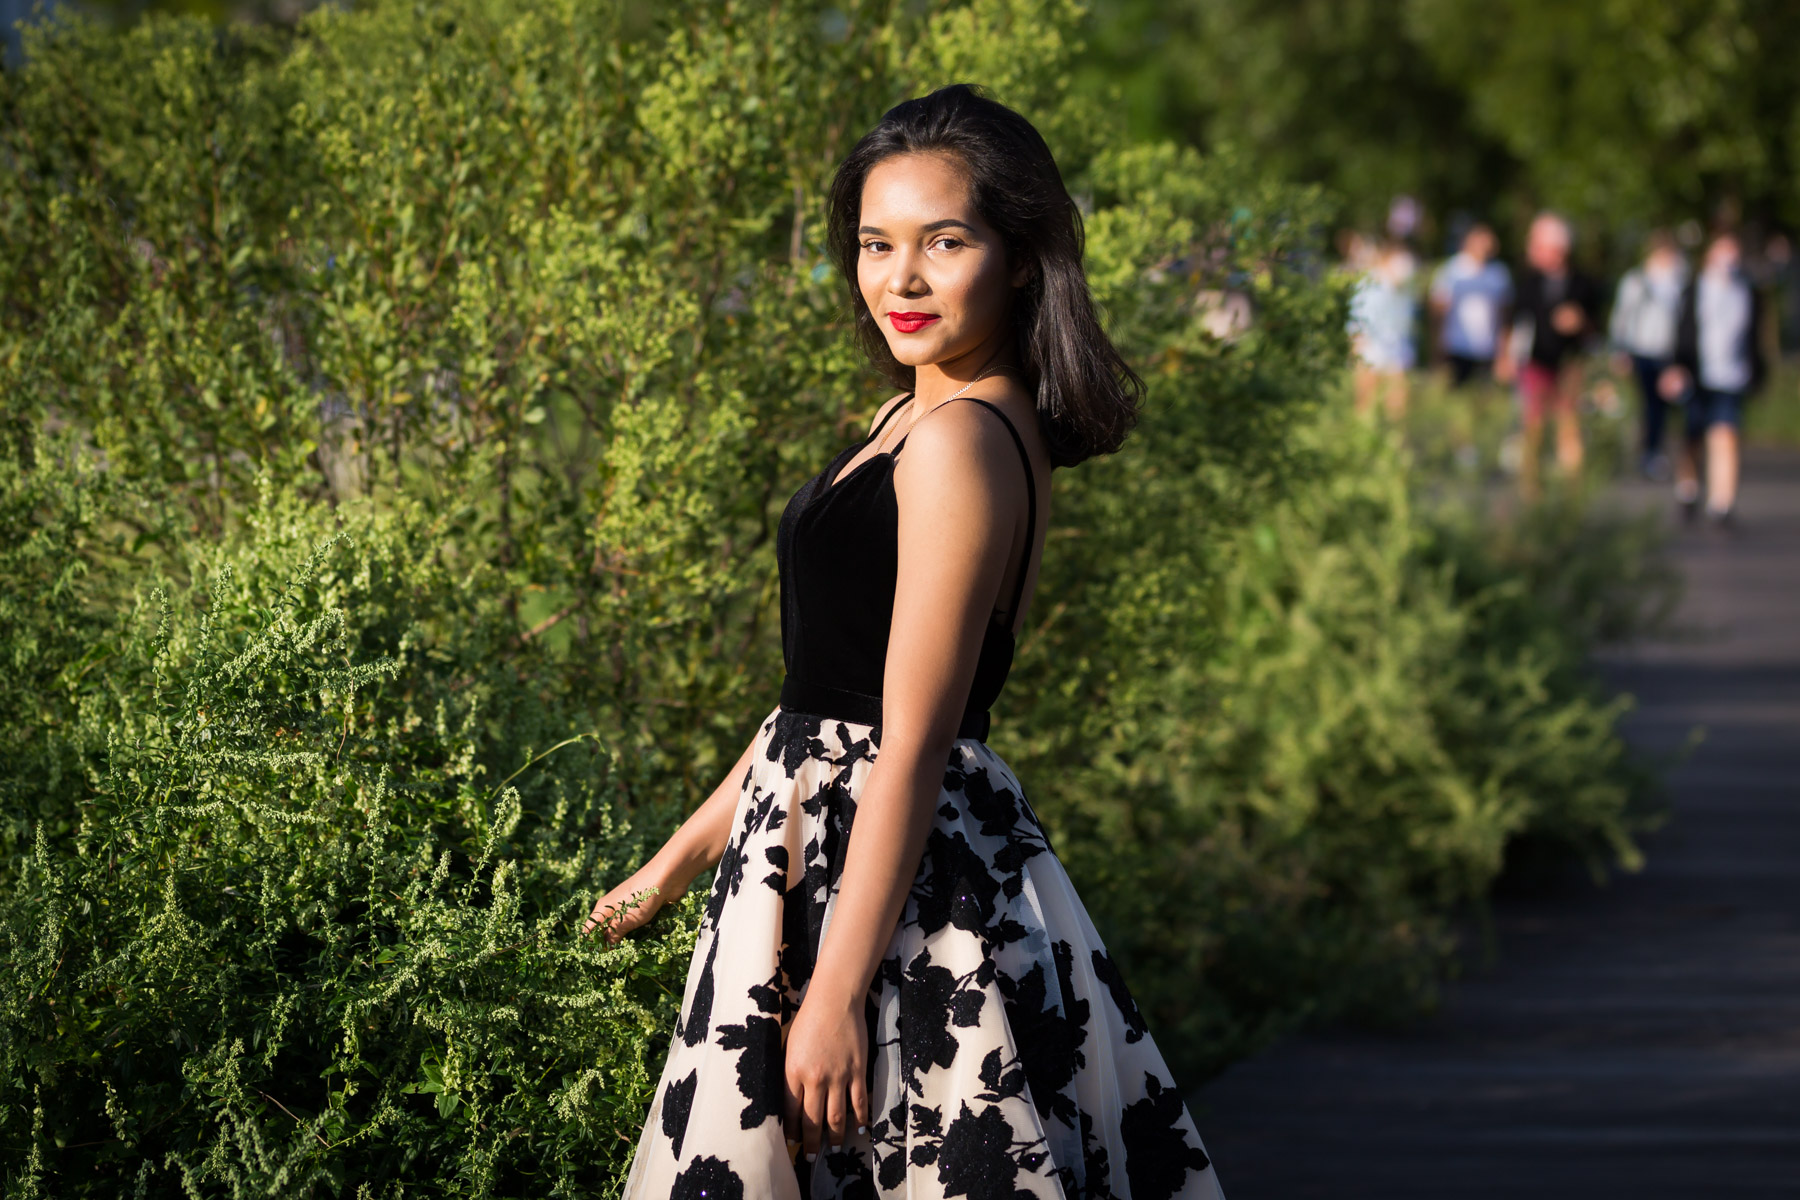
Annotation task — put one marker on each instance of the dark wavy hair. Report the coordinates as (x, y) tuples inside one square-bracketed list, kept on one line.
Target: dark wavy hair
[(1087, 394)]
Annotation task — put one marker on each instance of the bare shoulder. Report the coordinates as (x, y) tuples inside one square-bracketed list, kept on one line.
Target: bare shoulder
[(963, 448)]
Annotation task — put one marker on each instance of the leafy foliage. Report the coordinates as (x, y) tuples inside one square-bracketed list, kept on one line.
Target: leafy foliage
[(299, 937), (1627, 112), (1296, 809)]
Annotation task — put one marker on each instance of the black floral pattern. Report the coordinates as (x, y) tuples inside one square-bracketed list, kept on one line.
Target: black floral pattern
[(759, 1067), (1049, 1034), (1158, 1155), (1127, 1008), (978, 1157), (1007, 1056), (677, 1103), (693, 1024), (707, 1179)]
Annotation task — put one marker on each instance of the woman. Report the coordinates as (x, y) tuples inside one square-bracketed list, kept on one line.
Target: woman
[(922, 1008), (1382, 312)]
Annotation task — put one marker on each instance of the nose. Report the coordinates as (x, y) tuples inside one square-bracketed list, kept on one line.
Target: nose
[(904, 278)]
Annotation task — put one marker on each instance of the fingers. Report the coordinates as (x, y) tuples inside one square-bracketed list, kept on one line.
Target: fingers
[(859, 1103), (790, 1110), (812, 1122), (612, 914), (605, 916), (837, 1117)]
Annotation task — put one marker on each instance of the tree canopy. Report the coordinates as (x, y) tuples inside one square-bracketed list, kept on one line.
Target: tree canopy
[(1623, 112)]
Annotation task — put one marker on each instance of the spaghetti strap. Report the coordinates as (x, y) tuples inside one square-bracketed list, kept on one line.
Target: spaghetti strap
[(829, 477), (1030, 496), (893, 408)]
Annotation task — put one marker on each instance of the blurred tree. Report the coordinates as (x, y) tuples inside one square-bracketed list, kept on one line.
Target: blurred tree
[(1620, 111), (1648, 110), (283, 11), (1327, 91)]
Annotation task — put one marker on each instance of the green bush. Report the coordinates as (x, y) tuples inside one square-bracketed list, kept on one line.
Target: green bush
[(447, 368), (1772, 417), (1296, 811), (300, 936)]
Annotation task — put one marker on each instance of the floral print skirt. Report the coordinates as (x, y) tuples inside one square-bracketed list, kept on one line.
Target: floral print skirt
[(1007, 1057)]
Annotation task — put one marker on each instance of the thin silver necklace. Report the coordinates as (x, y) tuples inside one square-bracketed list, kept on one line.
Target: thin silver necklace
[(953, 395)]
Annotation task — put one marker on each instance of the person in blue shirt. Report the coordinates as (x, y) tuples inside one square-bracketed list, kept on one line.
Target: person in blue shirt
[(1381, 330), (1471, 300)]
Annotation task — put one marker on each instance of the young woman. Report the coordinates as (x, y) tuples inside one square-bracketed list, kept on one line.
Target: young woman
[(896, 991)]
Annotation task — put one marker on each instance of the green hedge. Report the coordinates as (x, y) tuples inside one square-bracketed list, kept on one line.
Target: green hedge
[(398, 414)]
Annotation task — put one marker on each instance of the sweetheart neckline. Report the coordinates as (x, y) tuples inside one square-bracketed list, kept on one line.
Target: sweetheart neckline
[(845, 476)]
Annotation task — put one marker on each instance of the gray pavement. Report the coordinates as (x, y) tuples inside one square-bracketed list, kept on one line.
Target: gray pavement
[(1640, 1039)]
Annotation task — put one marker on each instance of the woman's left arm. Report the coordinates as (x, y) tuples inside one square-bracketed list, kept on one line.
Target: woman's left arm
[(960, 492)]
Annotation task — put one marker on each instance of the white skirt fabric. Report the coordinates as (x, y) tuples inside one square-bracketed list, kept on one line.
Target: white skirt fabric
[(1007, 1057)]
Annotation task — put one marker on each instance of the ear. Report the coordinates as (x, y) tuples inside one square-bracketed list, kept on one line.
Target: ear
[(1021, 274)]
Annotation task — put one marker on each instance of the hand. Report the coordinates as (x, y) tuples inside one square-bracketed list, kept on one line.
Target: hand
[(827, 1074), (1568, 318), (1505, 369), (1672, 383), (617, 912)]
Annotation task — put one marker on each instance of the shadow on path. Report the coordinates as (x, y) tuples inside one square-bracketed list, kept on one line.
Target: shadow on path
[(1637, 1040)]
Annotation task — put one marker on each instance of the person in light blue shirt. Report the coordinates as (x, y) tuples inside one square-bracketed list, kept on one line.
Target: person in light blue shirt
[(1718, 364), (1381, 329), (1471, 298), (1642, 331)]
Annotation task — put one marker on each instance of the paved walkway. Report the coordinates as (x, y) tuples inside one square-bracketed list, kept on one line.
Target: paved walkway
[(1640, 1040)]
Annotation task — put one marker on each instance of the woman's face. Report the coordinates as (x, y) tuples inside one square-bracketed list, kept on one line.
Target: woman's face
[(932, 272)]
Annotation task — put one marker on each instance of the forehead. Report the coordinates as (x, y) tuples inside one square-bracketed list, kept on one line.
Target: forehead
[(916, 189)]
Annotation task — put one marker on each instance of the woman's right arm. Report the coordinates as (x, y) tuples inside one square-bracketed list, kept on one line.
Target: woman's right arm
[(693, 848)]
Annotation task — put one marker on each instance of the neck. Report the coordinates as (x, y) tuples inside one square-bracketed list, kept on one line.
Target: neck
[(935, 383)]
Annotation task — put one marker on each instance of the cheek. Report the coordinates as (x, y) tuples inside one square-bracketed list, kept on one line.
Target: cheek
[(868, 285), (982, 290)]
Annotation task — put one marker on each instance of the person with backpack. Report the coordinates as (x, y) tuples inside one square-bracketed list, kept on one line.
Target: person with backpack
[(1718, 365)]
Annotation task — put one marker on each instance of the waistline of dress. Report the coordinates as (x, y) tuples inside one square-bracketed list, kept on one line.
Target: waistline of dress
[(799, 695)]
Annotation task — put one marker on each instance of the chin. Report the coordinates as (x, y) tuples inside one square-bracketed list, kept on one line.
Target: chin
[(910, 354)]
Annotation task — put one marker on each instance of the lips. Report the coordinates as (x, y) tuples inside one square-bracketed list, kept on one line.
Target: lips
[(911, 322)]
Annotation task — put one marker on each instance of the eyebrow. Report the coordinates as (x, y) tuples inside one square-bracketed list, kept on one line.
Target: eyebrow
[(933, 227)]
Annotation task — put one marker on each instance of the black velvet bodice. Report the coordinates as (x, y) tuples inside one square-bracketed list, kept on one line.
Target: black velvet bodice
[(837, 548)]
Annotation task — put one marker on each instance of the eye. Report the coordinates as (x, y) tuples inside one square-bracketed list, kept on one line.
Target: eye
[(947, 242), (874, 246)]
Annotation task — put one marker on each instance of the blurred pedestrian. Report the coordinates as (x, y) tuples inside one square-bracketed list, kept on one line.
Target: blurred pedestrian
[(1556, 310), (1718, 364), (1382, 313), (1471, 300), (1642, 331)]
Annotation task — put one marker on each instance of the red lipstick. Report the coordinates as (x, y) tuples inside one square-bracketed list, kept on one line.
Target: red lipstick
[(911, 322)]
